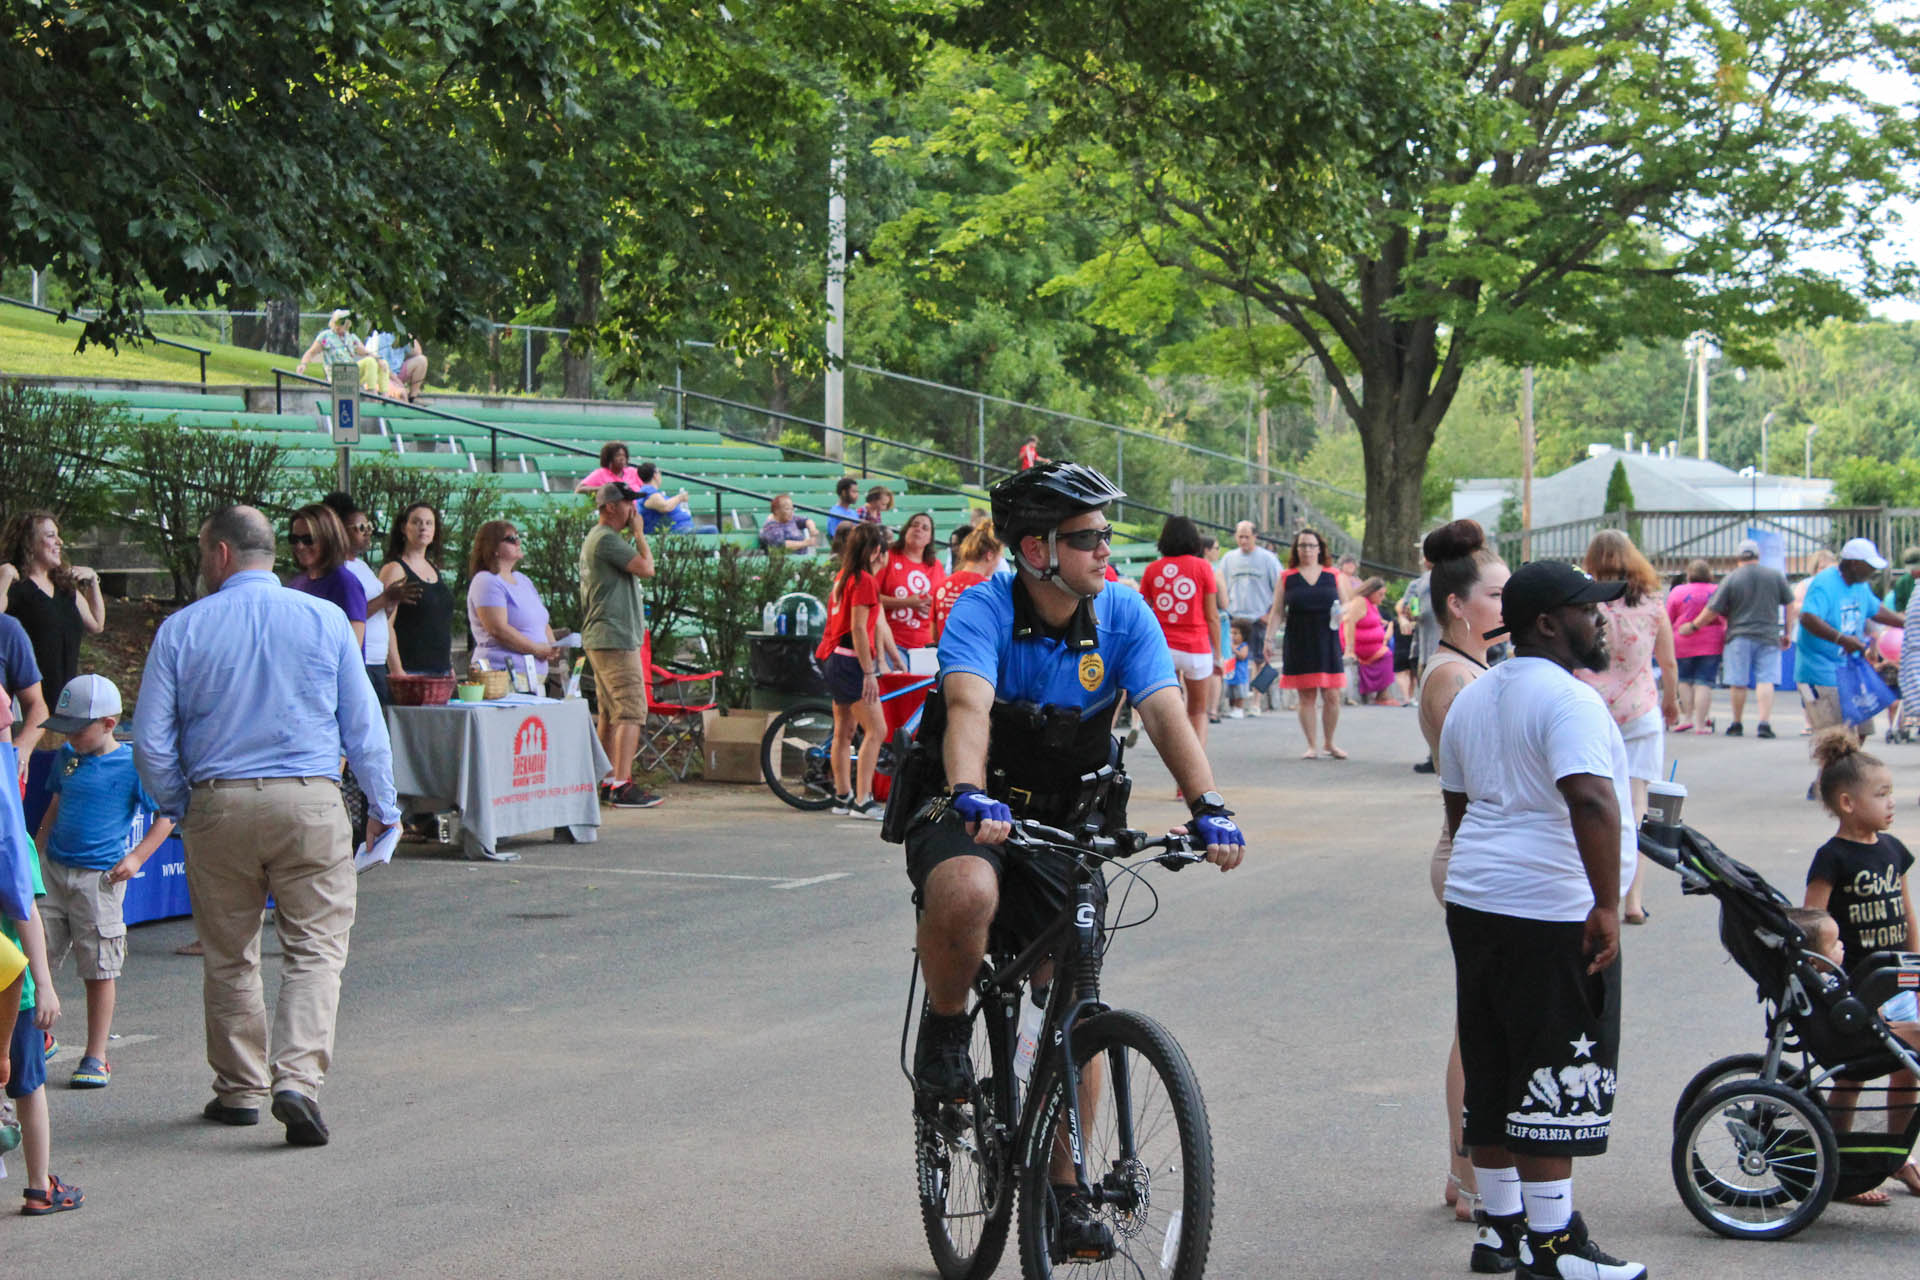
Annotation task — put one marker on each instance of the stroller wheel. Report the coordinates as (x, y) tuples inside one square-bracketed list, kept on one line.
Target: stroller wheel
[(1755, 1160), (1738, 1066)]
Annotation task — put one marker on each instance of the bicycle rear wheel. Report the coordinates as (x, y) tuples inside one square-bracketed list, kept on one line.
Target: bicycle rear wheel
[(795, 755), (964, 1166), (1148, 1149)]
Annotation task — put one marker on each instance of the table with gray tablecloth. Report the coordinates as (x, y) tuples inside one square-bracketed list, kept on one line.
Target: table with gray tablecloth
[(509, 768)]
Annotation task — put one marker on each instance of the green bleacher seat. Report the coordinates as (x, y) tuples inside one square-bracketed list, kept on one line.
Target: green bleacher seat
[(517, 481), (222, 419), (432, 461), (159, 399)]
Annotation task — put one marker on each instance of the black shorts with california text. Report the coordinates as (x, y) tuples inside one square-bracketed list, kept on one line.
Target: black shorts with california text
[(1539, 1035)]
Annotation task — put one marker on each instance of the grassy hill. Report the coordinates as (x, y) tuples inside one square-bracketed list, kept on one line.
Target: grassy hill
[(31, 343)]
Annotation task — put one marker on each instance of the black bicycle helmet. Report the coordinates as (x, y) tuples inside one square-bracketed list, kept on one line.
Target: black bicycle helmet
[(1036, 500)]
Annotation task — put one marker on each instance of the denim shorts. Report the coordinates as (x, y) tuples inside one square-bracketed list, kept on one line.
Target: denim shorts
[(1704, 669), (1750, 662)]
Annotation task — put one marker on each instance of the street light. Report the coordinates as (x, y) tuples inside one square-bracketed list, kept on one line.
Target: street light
[(1810, 432)]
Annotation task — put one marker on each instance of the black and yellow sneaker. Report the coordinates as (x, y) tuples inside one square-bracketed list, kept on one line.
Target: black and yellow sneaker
[(942, 1068), (1569, 1254), (1499, 1244)]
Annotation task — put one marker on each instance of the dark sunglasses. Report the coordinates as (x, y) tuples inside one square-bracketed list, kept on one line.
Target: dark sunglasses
[(360, 528), (514, 538), (1088, 539), (300, 539)]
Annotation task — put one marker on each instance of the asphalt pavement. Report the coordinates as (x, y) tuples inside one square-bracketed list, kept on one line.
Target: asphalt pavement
[(675, 1053)]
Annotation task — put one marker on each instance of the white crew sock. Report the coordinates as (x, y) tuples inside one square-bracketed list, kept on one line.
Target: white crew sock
[(1549, 1204), (1499, 1190)]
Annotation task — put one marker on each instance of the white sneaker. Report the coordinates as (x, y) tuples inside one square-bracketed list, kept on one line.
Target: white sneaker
[(1236, 713), (1569, 1254), (1254, 712), (842, 805), (871, 811)]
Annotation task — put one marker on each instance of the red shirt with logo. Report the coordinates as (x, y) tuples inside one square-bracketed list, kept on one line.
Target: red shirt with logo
[(904, 576), (946, 593), (1176, 589), (863, 590), (1029, 455)]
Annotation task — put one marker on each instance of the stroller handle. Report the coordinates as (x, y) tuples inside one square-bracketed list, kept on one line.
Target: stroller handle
[(1660, 843)]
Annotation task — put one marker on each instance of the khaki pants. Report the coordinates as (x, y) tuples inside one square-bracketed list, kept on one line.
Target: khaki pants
[(285, 837)]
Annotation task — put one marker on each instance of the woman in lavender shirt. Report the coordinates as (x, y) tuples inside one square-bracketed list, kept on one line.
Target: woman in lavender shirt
[(503, 608)]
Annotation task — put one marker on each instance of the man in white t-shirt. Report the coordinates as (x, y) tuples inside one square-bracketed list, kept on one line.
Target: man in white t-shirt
[(1534, 774)]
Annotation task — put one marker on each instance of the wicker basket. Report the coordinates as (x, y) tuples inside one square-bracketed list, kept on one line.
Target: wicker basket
[(420, 691), (496, 683)]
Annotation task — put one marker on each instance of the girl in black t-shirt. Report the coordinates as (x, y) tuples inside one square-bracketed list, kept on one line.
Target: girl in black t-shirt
[(1860, 878)]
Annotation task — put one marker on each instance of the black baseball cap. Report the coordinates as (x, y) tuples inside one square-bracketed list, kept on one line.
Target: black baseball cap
[(1541, 586), (615, 490)]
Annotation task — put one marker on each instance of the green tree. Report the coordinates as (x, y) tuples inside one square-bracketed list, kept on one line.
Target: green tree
[(1412, 188), (1619, 491)]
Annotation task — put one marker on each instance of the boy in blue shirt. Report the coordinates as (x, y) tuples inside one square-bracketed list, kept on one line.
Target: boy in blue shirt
[(96, 796)]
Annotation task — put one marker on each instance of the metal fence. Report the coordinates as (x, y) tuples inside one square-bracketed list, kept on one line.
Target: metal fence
[(1672, 539), (1275, 509)]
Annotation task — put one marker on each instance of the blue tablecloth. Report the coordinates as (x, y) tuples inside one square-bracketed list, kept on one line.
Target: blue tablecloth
[(159, 891)]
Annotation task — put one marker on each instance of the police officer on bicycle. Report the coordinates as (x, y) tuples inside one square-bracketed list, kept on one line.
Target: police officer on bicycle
[(1032, 669)]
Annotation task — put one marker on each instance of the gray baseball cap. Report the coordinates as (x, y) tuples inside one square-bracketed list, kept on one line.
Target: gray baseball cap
[(85, 699)]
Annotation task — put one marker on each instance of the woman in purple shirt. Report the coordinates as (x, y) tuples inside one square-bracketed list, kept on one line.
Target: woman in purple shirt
[(321, 549), (503, 608)]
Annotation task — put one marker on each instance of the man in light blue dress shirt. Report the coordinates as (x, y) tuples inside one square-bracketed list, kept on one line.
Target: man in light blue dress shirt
[(251, 695)]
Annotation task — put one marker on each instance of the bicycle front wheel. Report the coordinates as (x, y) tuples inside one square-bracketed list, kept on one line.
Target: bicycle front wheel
[(795, 755), (1149, 1155)]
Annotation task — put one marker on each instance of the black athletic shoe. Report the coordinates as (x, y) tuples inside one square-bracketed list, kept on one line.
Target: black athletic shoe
[(1570, 1255), (1079, 1234), (1734, 730), (1499, 1244), (1764, 730), (1425, 766), (942, 1069)]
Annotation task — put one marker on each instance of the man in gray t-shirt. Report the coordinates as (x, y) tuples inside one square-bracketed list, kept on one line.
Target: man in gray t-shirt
[(1251, 574), (1750, 599), (1416, 605)]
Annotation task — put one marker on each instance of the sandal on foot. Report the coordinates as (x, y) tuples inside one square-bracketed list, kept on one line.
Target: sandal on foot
[(1646, 914), (1336, 753), (1908, 1176), (57, 1198), (1875, 1199)]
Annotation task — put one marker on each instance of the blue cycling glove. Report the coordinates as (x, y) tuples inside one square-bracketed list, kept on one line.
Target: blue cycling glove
[(975, 805), (1217, 828)]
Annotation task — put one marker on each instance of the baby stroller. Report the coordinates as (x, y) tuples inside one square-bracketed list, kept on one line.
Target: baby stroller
[(1755, 1154)]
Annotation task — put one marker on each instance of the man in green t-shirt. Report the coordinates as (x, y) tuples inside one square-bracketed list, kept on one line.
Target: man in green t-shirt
[(613, 626)]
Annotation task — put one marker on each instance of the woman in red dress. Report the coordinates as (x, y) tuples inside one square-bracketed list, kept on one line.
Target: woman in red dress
[(907, 584), (850, 652), (1180, 589)]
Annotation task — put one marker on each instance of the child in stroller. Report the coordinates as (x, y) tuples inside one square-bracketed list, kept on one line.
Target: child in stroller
[(1756, 1152), (1860, 879)]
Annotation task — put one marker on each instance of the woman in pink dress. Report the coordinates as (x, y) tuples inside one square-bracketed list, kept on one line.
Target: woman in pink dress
[(1638, 635), (1698, 652), (1369, 643)]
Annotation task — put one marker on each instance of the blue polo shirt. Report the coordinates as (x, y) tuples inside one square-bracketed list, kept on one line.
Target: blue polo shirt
[(1082, 666), (1842, 607), (99, 796)]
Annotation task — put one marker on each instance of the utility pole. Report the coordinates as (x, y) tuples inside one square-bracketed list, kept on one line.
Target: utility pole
[(834, 445), (1701, 347), (1526, 463)]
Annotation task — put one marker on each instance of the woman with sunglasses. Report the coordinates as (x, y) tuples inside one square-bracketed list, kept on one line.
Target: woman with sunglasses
[(1311, 661), (321, 549), (504, 610)]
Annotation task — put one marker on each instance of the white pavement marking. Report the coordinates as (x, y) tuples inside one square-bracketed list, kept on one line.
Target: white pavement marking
[(778, 882)]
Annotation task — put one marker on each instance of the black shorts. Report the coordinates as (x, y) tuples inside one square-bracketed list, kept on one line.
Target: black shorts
[(845, 679), (1034, 888), (1539, 1035)]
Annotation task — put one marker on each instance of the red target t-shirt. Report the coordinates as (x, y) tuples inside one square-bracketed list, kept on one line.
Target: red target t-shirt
[(1176, 589), (946, 593), (865, 590), (912, 628)]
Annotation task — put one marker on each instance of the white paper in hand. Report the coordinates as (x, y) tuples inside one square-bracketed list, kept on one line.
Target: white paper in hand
[(382, 850), (571, 640)]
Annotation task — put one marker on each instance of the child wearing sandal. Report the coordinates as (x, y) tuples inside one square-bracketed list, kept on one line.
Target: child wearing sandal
[(1860, 879), (96, 795), (39, 1006)]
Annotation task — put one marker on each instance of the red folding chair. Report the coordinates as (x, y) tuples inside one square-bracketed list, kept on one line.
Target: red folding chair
[(673, 737)]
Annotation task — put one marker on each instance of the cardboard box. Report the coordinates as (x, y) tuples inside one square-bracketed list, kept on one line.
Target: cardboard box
[(730, 749)]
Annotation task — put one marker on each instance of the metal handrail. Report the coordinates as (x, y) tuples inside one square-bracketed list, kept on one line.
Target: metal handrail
[(495, 431), (147, 336), (862, 436)]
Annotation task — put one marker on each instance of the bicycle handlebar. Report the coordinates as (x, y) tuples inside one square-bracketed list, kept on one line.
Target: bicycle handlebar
[(1176, 850)]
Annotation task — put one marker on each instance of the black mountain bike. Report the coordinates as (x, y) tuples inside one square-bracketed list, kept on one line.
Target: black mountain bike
[(1141, 1153)]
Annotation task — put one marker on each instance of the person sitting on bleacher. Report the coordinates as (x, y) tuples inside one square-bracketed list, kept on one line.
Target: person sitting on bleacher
[(336, 344), (786, 531), (613, 469), (661, 514)]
